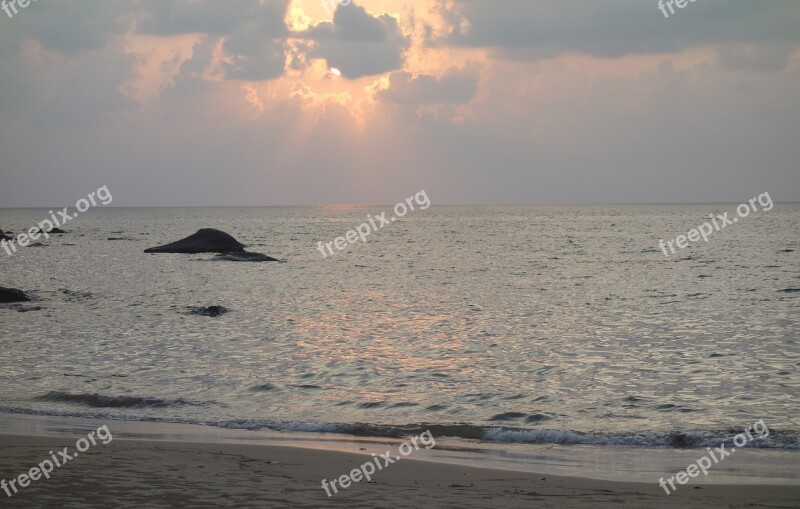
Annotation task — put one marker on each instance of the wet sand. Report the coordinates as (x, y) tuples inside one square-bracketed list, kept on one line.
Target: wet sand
[(137, 473)]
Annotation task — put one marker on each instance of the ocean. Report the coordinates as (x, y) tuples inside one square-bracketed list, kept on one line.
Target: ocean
[(496, 324)]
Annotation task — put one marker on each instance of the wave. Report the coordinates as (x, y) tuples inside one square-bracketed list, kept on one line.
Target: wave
[(698, 438), (100, 401), (685, 438), (674, 439)]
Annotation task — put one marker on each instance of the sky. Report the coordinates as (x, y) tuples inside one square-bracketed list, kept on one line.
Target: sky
[(300, 102)]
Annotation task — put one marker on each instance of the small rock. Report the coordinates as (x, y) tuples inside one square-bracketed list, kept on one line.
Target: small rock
[(23, 309), (679, 440), (52, 230), (209, 311), (12, 295)]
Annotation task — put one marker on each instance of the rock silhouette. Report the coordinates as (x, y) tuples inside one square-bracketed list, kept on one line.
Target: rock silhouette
[(205, 240), (51, 230), (12, 295)]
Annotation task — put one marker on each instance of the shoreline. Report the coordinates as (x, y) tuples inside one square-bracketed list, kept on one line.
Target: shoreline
[(148, 473), (601, 463)]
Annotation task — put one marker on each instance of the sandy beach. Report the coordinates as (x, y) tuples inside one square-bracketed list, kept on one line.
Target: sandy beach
[(137, 473)]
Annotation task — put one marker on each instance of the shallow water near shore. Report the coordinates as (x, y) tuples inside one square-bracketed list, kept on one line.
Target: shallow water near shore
[(510, 325), (621, 464)]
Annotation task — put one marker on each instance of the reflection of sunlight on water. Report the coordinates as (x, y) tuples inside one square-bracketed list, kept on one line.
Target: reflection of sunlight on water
[(392, 340), (379, 354)]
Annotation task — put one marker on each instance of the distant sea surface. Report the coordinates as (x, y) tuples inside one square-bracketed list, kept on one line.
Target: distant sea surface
[(512, 324)]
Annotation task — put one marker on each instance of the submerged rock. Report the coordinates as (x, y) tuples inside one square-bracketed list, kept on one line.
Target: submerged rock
[(12, 295), (51, 230), (208, 311), (679, 439), (206, 240), (245, 257), (24, 309)]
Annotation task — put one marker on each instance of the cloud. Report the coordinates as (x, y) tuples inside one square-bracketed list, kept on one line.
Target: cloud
[(358, 43), (254, 55), (455, 86), (66, 27), (54, 90), (210, 16), (491, 102), (525, 30), (191, 76), (766, 57), (254, 31)]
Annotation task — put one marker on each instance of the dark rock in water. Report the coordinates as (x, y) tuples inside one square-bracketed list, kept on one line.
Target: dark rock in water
[(23, 309), (262, 388), (52, 230), (679, 439), (209, 240), (245, 257), (206, 240), (12, 295), (72, 295), (209, 311), (3, 236)]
